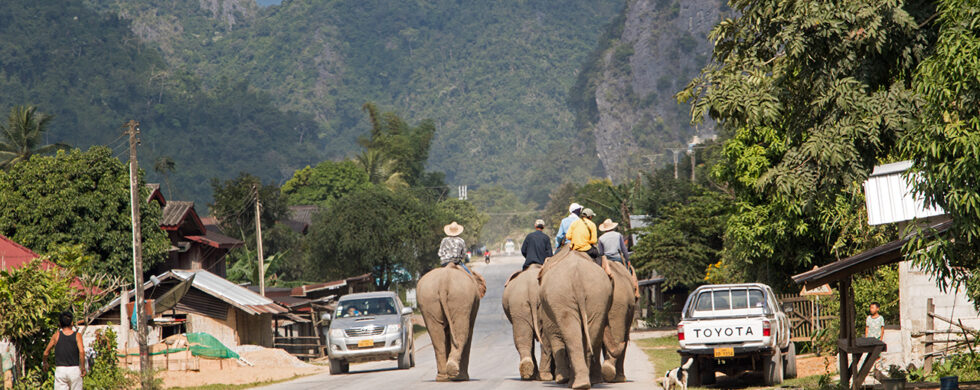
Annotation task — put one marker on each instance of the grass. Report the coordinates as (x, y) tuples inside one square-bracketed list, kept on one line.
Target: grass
[(418, 330), (662, 352)]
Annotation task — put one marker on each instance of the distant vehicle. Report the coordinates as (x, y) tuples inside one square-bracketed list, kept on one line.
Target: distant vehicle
[(369, 327), (509, 246), (732, 328)]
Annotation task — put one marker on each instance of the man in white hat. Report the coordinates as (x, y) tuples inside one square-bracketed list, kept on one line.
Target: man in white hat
[(453, 248), (573, 215)]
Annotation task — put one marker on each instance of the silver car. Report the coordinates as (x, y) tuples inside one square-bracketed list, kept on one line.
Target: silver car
[(369, 327)]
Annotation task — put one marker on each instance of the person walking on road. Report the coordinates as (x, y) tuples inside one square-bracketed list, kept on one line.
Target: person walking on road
[(561, 238), (612, 244), (452, 249), (69, 355), (583, 235), (536, 246)]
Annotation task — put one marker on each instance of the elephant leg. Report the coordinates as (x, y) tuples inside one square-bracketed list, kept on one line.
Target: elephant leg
[(461, 330), (524, 341), (546, 369), (571, 326), (595, 371), (438, 333), (597, 328)]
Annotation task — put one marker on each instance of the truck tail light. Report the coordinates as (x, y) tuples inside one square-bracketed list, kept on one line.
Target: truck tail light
[(680, 332), (766, 332)]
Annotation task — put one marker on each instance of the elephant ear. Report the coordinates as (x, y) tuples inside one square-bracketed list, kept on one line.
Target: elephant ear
[(481, 283), (512, 277)]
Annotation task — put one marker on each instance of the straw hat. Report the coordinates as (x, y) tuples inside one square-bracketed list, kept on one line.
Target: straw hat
[(454, 229), (607, 225)]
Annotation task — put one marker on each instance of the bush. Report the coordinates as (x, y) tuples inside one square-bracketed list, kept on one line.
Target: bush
[(105, 372)]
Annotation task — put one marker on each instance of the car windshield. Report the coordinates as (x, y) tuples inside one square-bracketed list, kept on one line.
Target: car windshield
[(365, 307)]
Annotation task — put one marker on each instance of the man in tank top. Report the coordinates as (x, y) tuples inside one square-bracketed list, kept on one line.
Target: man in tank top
[(69, 355)]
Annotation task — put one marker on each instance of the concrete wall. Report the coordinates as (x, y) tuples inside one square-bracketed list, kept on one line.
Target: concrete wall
[(915, 287)]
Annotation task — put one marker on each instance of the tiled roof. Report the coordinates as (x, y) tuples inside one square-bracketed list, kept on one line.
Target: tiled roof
[(174, 212), (303, 214), (216, 240)]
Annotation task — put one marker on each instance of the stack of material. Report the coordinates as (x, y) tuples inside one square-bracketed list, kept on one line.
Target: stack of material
[(185, 352)]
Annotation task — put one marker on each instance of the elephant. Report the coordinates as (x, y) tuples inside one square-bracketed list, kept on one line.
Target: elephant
[(449, 298), (521, 301), (575, 296), (620, 319)]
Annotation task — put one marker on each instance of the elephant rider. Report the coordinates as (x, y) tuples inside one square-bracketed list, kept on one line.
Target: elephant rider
[(452, 249), (561, 238), (536, 246), (611, 243), (583, 236)]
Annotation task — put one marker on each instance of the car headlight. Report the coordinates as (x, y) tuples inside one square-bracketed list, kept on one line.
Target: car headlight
[(393, 328), (336, 333)]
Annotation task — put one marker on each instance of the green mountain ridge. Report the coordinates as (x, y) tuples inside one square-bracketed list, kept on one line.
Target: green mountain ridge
[(223, 86)]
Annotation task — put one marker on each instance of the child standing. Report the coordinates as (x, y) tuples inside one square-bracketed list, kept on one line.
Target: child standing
[(875, 323)]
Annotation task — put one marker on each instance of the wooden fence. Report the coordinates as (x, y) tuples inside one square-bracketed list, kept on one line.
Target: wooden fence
[(806, 318)]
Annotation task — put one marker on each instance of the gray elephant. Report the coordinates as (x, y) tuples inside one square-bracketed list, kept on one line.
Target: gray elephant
[(620, 318), (449, 299), (575, 296), (521, 301)]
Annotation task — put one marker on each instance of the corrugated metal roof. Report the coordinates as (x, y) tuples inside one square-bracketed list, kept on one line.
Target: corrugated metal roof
[(889, 198), (229, 292)]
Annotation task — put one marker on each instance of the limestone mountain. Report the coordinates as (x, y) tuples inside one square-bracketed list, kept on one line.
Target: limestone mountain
[(625, 92)]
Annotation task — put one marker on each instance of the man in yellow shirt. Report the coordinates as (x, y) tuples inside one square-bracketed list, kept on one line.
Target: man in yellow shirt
[(583, 234)]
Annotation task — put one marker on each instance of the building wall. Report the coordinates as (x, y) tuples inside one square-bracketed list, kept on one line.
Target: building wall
[(915, 287), (223, 330)]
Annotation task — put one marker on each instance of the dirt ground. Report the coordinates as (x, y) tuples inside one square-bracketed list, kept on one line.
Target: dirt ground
[(269, 364), (815, 365)]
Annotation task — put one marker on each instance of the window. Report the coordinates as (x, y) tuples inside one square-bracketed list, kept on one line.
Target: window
[(756, 299), (365, 307), (740, 299), (721, 299), (704, 301)]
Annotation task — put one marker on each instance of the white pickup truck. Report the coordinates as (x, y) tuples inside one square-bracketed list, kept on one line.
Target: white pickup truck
[(732, 328)]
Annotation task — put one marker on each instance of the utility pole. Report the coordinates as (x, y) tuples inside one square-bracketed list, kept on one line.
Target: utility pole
[(146, 380), (676, 154), (258, 239), (690, 150)]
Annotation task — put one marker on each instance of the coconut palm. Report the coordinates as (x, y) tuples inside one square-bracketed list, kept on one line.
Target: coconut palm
[(21, 136), (380, 169)]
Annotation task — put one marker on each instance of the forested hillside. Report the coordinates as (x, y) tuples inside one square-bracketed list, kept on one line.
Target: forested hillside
[(494, 76), (223, 86), (93, 74)]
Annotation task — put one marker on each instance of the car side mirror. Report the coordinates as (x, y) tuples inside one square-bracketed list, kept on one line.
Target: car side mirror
[(406, 311), (787, 307)]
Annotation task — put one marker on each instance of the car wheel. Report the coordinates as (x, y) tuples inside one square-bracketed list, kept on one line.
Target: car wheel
[(789, 371), (413, 354), (338, 366), (405, 358), (772, 368)]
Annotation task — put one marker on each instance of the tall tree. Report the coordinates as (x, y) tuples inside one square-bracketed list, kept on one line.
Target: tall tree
[(390, 234), (325, 182), (82, 198), (945, 146), (23, 134), (809, 98), (164, 165), (393, 141)]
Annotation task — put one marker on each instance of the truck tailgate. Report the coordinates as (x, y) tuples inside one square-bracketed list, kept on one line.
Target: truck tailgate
[(724, 331)]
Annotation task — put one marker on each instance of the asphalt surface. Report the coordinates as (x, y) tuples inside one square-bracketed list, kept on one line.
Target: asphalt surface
[(493, 358)]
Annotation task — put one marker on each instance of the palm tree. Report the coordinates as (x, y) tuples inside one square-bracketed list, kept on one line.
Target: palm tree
[(164, 165), (380, 169), (21, 136)]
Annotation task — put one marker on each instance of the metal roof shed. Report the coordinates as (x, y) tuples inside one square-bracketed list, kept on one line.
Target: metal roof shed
[(889, 198)]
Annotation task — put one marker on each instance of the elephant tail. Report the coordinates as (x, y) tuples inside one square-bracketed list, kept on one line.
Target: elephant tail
[(534, 321), (584, 316)]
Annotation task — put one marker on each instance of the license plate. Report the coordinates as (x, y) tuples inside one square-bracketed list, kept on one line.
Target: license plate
[(724, 352), (365, 343)]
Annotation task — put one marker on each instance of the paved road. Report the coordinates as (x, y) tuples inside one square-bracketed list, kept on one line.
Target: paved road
[(493, 360)]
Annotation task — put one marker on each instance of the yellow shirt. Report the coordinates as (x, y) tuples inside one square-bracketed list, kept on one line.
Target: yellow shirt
[(583, 235)]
